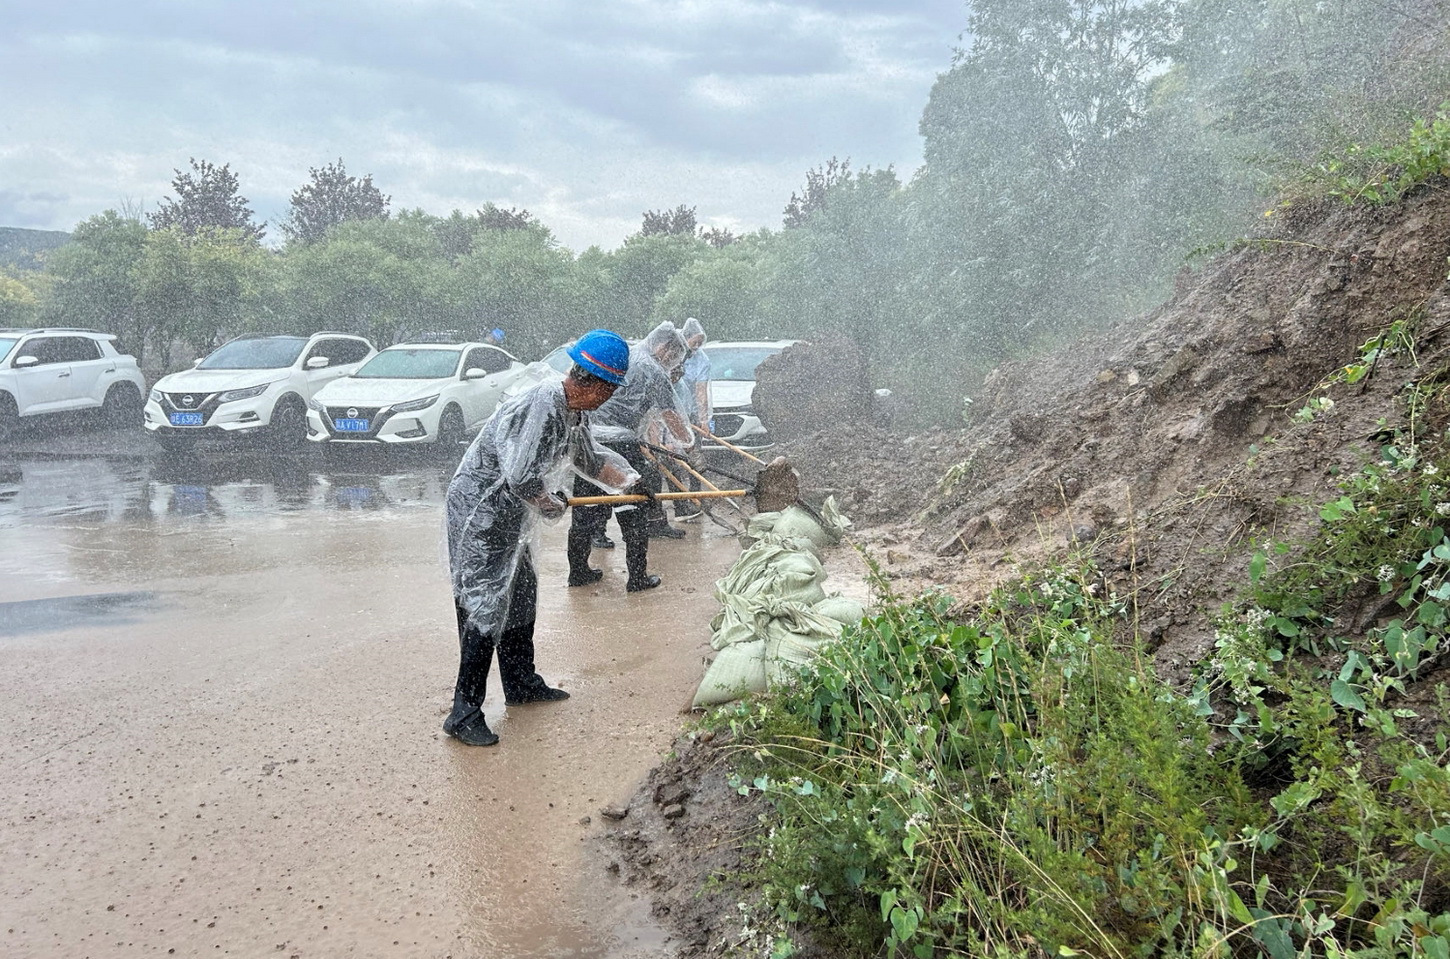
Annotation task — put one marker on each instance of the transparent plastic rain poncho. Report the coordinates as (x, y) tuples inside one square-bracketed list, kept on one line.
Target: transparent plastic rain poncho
[(526, 452), (646, 388)]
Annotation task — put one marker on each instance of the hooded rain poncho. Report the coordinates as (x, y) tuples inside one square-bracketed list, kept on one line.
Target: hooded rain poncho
[(524, 453)]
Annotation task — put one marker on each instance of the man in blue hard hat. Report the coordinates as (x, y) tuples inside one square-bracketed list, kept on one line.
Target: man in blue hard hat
[(618, 425), (509, 477)]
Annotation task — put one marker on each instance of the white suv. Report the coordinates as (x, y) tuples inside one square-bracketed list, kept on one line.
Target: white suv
[(54, 370), (252, 385)]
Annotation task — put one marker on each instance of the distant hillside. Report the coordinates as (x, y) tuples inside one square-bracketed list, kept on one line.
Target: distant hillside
[(23, 248)]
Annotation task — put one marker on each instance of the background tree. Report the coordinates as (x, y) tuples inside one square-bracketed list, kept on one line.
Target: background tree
[(819, 182), (19, 303), (677, 222), (332, 197), (206, 197), (95, 280)]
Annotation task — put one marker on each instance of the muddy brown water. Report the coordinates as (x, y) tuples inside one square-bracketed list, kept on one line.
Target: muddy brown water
[(221, 685)]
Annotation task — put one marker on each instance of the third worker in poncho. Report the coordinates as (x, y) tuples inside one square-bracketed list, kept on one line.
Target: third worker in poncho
[(617, 425), (514, 472)]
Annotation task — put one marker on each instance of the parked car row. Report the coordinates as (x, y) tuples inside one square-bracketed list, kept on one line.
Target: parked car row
[(332, 389), (327, 388)]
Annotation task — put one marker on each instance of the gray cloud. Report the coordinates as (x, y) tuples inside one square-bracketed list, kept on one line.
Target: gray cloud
[(585, 113)]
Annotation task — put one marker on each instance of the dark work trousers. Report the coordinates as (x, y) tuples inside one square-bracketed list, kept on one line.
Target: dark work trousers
[(589, 521), (515, 646)]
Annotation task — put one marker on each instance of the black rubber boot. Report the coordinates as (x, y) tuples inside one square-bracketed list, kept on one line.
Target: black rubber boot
[(587, 577), (521, 683), (472, 730), (577, 549), (475, 655), (661, 529), (647, 581), (633, 525)]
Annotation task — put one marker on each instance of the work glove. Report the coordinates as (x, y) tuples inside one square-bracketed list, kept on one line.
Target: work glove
[(640, 489), (551, 505)]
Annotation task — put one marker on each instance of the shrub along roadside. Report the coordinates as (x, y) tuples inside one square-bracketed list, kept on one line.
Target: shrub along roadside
[(1020, 783)]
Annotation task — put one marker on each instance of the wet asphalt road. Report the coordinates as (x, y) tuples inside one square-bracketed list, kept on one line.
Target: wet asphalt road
[(221, 682)]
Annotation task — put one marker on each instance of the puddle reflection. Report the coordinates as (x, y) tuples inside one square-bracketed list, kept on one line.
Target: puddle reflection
[(102, 490)]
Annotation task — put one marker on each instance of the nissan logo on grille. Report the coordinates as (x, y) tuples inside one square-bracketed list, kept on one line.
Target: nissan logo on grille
[(188, 400), (352, 413)]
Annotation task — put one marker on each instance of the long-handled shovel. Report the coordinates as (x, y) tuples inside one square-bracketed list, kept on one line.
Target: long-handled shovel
[(684, 461), (776, 487), (797, 501), (679, 484)]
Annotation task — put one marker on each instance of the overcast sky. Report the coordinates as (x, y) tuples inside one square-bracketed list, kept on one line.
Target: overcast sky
[(586, 112)]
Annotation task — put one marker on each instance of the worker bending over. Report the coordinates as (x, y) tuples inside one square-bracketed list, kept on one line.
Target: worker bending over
[(525, 452)]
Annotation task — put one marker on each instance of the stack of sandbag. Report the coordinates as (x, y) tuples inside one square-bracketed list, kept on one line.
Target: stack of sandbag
[(774, 611)]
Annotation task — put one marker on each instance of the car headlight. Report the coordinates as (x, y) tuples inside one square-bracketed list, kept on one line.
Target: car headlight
[(231, 396), (315, 404), (156, 396), (415, 405)]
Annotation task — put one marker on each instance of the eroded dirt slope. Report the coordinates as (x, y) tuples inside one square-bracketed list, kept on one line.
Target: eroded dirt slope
[(1167, 445)]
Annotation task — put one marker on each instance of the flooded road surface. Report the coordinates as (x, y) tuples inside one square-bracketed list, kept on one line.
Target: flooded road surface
[(221, 684)]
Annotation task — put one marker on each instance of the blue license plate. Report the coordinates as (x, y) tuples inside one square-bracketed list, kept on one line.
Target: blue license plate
[(185, 419), (350, 426)]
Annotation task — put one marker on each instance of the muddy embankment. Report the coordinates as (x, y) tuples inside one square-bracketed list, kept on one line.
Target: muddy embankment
[(1166, 445)]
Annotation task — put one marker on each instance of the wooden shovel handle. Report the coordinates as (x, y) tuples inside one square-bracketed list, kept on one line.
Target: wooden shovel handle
[(729, 446), (639, 498)]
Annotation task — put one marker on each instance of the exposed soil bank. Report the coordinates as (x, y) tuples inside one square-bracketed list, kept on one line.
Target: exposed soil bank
[(1166, 447)]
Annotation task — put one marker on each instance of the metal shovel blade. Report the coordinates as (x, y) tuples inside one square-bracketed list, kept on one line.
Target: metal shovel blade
[(777, 486)]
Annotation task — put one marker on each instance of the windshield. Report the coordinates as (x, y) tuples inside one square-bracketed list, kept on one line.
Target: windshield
[(270, 353), (6, 345), (737, 362), (393, 364)]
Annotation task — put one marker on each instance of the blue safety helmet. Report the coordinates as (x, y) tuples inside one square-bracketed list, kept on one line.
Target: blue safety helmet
[(602, 353), (498, 335)]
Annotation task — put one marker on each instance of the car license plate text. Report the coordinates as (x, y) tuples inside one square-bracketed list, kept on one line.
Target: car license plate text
[(351, 426), (185, 419)]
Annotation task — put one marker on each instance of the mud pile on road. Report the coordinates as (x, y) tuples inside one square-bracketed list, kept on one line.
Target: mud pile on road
[(1167, 445)]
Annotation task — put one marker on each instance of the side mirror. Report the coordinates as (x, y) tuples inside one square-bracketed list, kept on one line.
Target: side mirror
[(474, 373), (21, 362), (317, 362)]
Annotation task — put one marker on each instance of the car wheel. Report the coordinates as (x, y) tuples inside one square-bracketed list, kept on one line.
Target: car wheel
[(9, 416), (122, 407), (451, 428), (176, 442), (288, 432)]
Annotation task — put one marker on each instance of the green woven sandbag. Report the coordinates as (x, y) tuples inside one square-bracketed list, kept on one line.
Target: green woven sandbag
[(793, 637), (738, 670), (774, 569), (841, 609)]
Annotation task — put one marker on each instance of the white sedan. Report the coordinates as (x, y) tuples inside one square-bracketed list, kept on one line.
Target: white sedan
[(413, 393)]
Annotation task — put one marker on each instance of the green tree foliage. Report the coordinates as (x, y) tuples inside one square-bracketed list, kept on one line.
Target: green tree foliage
[(677, 222), (640, 271), (330, 198), (383, 279), (819, 183), (206, 197), (96, 278), (19, 303)]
